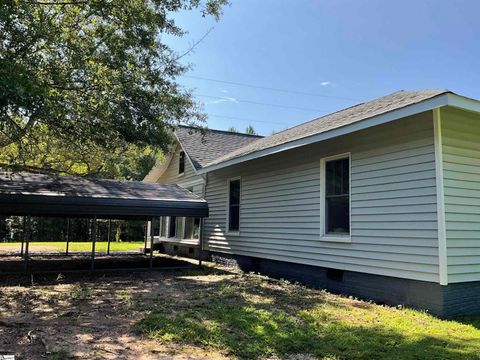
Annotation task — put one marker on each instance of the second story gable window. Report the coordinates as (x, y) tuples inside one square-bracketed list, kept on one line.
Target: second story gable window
[(181, 162)]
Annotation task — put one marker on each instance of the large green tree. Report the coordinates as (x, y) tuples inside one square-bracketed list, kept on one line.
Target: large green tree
[(89, 81)]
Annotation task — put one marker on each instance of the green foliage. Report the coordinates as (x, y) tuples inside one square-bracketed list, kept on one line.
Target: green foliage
[(232, 129), (90, 77), (251, 317), (250, 130)]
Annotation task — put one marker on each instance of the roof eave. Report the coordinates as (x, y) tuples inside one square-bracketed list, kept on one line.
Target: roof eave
[(426, 105)]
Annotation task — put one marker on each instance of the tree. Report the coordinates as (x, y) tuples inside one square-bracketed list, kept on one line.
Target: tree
[(250, 130), (80, 77), (232, 129)]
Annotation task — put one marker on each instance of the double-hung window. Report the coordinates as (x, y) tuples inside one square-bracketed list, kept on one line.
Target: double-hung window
[(335, 198), (233, 217)]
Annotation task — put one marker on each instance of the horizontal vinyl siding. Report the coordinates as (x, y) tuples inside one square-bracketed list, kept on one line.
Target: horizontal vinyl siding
[(461, 165), (171, 176), (394, 228)]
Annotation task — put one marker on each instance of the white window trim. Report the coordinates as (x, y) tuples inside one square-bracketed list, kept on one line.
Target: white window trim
[(227, 224), (323, 235)]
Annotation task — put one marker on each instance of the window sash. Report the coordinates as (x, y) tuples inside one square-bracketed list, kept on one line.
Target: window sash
[(234, 205)]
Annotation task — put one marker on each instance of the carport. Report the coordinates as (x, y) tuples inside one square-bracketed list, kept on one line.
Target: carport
[(29, 195)]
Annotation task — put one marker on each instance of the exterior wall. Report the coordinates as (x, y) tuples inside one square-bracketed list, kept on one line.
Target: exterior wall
[(394, 213), (461, 168), (188, 179)]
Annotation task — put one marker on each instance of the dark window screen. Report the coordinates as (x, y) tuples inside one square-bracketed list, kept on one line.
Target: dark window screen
[(181, 163), (234, 206), (337, 196)]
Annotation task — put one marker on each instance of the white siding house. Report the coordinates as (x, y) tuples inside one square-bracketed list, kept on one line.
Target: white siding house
[(387, 192)]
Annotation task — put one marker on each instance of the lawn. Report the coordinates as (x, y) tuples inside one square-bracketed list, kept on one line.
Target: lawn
[(216, 313), (73, 246)]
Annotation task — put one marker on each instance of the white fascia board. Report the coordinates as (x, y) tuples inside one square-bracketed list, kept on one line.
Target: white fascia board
[(158, 170), (427, 105), (463, 102)]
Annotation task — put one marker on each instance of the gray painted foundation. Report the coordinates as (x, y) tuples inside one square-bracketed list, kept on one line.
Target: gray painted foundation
[(445, 301)]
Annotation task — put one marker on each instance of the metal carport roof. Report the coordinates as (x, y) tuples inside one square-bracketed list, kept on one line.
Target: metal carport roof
[(72, 196)]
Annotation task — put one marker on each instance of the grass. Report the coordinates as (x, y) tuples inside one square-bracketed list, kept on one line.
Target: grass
[(253, 317), (78, 246)]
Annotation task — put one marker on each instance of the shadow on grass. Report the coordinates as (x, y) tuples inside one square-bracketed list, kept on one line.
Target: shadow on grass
[(251, 321)]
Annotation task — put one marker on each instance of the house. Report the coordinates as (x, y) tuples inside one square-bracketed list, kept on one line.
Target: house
[(380, 200)]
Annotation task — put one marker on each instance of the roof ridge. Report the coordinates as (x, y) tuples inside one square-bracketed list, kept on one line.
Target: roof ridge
[(426, 93), (220, 131)]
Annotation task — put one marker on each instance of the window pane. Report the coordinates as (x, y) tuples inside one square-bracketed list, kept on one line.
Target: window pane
[(189, 228), (234, 206), (155, 227), (338, 215), (173, 226), (163, 227), (181, 162), (179, 233), (196, 228), (337, 177), (235, 192), (234, 219)]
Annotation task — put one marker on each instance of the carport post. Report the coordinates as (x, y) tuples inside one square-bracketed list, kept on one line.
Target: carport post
[(94, 238), (27, 239), (200, 243), (24, 227), (151, 243), (145, 230), (68, 236), (109, 235)]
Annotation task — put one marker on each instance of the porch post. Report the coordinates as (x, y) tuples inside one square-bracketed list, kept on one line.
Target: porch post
[(94, 238), (109, 235), (68, 236)]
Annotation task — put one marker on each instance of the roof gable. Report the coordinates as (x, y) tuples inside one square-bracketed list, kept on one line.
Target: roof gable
[(204, 146)]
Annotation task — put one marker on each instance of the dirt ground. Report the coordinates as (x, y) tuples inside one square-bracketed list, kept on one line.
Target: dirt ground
[(90, 317)]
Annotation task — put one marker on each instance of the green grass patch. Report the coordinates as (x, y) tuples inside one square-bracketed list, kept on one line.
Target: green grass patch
[(252, 317), (78, 246)]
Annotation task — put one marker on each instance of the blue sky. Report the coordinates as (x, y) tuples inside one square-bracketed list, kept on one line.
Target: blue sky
[(328, 54)]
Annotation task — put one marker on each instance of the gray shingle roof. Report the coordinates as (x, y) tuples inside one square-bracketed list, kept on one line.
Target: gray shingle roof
[(203, 147), (332, 121), (50, 195)]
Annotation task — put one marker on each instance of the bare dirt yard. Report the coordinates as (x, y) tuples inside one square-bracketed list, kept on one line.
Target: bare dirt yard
[(214, 313)]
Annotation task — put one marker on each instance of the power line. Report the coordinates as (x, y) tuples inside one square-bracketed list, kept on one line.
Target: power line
[(244, 119), (269, 88), (231, 99)]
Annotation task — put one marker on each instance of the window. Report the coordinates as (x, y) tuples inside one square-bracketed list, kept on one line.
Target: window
[(192, 228), (179, 226), (234, 205), (172, 228), (163, 226), (181, 162), (335, 198)]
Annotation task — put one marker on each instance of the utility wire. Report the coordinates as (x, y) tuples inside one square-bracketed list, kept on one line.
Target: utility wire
[(232, 99), (249, 120), (269, 88)]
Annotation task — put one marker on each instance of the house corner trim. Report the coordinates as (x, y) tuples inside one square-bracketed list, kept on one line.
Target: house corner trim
[(442, 233)]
